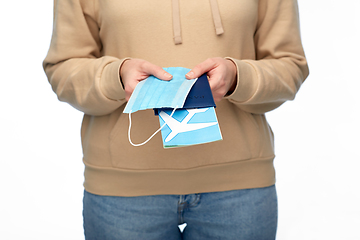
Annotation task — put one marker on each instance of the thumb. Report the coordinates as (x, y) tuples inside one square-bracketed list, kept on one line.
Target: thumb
[(157, 71), (201, 68)]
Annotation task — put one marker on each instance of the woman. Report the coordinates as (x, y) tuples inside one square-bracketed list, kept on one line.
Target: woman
[(252, 53)]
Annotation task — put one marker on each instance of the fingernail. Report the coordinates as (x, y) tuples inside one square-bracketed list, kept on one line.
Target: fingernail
[(167, 75), (190, 74)]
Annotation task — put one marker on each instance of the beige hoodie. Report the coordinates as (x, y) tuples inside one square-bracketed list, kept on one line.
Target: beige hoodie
[(91, 38)]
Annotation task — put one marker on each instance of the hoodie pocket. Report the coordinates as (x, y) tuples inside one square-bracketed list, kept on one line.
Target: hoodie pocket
[(251, 119), (253, 132), (264, 136), (118, 139)]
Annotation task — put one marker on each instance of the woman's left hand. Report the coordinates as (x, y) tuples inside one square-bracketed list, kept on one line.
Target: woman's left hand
[(222, 75)]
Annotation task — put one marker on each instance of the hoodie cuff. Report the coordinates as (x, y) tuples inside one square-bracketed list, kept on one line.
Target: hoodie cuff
[(247, 81), (110, 82)]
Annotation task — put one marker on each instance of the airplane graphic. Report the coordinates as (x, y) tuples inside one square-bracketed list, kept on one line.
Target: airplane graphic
[(183, 126)]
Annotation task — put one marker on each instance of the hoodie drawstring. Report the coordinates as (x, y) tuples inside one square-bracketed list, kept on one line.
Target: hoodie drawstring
[(176, 19), (216, 17)]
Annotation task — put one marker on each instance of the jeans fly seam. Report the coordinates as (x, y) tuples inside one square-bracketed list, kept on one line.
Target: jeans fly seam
[(181, 206)]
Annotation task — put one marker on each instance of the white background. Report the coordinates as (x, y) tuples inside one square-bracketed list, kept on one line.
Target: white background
[(317, 135)]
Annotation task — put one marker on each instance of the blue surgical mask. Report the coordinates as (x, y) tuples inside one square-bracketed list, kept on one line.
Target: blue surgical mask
[(155, 93)]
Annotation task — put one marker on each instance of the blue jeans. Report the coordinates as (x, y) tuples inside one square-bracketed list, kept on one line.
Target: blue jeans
[(249, 214)]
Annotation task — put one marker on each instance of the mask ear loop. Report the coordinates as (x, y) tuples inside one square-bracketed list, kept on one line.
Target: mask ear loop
[(143, 143)]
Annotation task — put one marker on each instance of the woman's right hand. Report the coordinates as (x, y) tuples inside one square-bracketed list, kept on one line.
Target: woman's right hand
[(132, 71)]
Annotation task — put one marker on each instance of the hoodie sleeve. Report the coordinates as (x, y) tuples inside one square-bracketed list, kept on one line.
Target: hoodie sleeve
[(74, 65), (280, 66)]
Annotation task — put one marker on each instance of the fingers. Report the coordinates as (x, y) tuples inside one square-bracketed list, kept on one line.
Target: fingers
[(221, 73), (202, 68), (132, 71), (152, 69), (141, 69)]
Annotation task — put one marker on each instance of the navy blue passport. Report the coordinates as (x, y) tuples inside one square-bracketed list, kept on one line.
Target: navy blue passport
[(200, 96)]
